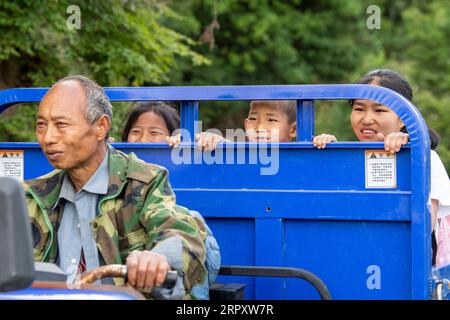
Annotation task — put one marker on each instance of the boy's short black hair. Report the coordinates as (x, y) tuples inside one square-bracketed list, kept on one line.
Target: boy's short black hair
[(289, 107)]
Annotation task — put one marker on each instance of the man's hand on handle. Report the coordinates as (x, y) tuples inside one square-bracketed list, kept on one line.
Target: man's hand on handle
[(146, 269)]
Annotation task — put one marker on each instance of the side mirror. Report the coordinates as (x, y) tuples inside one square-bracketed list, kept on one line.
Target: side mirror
[(16, 249)]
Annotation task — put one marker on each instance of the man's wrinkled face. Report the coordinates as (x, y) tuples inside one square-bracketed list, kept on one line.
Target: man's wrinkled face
[(67, 138)]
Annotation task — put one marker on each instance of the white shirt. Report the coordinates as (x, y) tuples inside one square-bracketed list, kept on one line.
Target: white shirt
[(440, 185)]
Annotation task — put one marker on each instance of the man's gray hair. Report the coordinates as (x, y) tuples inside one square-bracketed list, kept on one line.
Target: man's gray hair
[(97, 103)]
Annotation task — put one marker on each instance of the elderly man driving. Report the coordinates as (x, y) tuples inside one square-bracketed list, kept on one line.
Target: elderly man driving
[(101, 206)]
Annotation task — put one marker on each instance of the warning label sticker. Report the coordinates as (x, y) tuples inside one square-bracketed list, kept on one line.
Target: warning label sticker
[(11, 163), (380, 169)]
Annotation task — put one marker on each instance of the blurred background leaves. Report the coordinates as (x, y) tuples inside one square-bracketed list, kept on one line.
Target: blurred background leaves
[(228, 42)]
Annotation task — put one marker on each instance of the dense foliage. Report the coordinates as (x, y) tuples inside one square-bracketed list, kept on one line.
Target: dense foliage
[(308, 41), (118, 43), (212, 42)]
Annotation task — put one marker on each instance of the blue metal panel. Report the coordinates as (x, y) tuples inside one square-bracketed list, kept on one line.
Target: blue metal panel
[(384, 206), (269, 246), (301, 167), (316, 212), (189, 118), (236, 238), (305, 120), (341, 254)]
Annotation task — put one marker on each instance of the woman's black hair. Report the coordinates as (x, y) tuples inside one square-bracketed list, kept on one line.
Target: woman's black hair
[(396, 82), (435, 138), (167, 111)]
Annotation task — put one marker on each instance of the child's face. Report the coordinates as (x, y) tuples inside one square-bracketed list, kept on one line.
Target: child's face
[(149, 127), (266, 122), (369, 118)]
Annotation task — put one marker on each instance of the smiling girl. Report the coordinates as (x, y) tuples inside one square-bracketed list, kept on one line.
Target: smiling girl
[(372, 121), (150, 121)]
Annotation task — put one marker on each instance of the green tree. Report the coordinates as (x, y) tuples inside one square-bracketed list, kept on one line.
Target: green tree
[(272, 42), (148, 42), (119, 43), (307, 42), (428, 54)]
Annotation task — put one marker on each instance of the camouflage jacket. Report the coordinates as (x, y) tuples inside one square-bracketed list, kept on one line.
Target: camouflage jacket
[(137, 213)]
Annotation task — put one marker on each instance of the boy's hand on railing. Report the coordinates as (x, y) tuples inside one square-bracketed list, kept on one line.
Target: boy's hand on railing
[(393, 141), (321, 141)]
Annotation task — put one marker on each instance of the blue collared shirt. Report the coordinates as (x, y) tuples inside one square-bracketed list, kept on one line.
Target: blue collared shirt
[(80, 209)]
